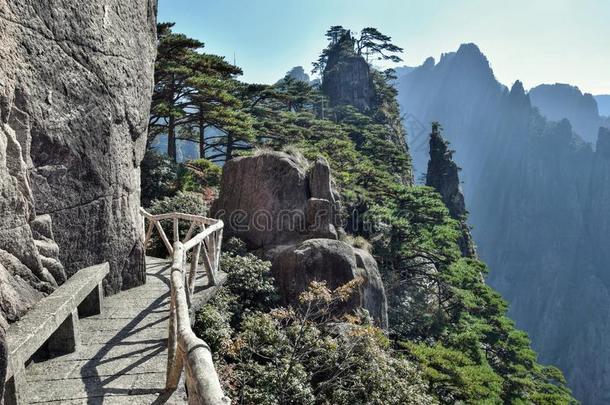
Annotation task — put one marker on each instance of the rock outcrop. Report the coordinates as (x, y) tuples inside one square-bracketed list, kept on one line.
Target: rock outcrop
[(23, 277), (603, 104), (276, 199), (443, 176), (298, 73), (347, 77), (286, 210), (75, 86), (3, 360), (336, 263)]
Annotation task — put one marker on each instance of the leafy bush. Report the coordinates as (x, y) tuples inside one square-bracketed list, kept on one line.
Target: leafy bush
[(196, 175), (235, 246), (249, 279), (249, 287), (303, 354)]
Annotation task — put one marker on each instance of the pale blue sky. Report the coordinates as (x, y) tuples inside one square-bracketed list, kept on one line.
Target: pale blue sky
[(536, 41)]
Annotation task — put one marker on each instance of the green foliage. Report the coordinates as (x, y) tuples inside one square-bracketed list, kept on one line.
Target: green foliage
[(301, 354), (454, 376), (159, 177), (234, 246), (194, 92), (249, 279), (187, 203), (197, 175)]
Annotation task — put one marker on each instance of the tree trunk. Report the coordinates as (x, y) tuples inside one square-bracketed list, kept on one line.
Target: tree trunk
[(229, 148), (171, 139), (201, 137)]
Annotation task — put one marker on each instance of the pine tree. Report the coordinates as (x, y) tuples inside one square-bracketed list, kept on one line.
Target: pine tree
[(195, 91)]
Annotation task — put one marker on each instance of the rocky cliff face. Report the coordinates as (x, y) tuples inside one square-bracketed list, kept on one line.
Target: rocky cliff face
[(536, 195), (347, 77), (287, 211), (562, 101), (443, 176), (75, 86), (603, 104)]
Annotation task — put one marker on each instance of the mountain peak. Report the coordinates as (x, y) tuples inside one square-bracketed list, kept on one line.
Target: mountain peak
[(470, 49)]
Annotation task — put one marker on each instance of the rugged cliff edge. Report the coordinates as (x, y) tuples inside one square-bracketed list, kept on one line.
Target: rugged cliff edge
[(443, 176), (75, 86)]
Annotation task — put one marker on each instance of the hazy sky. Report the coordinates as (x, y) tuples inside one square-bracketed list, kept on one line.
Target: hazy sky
[(536, 41)]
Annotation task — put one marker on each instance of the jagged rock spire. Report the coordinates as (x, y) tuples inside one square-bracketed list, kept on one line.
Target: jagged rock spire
[(443, 176)]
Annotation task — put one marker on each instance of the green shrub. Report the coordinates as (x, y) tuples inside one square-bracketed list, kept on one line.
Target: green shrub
[(304, 355), (196, 175), (159, 177), (212, 322), (248, 287), (249, 279), (234, 246)]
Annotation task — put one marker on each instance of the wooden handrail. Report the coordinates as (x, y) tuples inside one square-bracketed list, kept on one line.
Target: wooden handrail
[(185, 351)]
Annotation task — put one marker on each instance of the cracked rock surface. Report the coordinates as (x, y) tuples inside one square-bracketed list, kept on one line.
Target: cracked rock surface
[(75, 87)]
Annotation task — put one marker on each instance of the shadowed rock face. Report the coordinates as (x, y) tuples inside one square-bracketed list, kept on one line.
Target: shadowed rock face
[(287, 211), (75, 87)]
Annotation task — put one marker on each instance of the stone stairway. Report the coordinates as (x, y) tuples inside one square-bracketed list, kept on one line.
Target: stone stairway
[(123, 356)]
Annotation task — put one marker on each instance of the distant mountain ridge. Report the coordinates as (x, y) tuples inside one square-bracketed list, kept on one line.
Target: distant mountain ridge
[(538, 197), (559, 101)]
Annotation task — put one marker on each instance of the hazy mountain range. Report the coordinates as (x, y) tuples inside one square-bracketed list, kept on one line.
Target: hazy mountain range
[(536, 177)]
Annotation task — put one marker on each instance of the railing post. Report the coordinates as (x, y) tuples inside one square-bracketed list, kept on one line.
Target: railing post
[(176, 234), (193, 272), (151, 226), (164, 237), (208, 263), (190, 231), (218, 246)]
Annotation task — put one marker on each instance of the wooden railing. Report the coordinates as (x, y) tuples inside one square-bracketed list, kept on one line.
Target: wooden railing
[(184, 349)]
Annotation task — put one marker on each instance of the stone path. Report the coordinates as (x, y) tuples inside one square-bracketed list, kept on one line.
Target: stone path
[(123, 355)]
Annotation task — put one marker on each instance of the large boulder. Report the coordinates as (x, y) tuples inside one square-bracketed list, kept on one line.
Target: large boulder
[(288, 211), (268, 200), (336, 263), (75, 87)]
